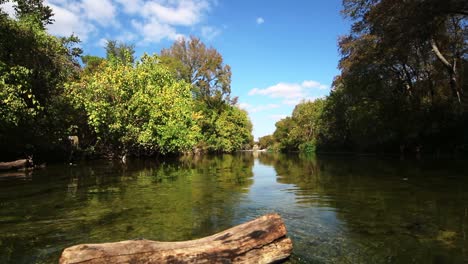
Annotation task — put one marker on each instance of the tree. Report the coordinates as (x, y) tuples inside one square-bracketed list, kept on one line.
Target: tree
[(120, 51), (137, 110), (34, 9), (435, 26), (282, 134), (301, 130), (224, 128), (202, 67), (92, 63), (266, 141), (233, 131), (401, 78), (33, 68)]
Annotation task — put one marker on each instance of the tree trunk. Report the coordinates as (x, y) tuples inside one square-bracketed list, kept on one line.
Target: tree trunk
[(451, 69), (262, 240), (15, 165)]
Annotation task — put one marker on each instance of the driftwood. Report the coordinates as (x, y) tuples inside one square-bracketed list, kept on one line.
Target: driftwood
[(16, 165), (262, 240)]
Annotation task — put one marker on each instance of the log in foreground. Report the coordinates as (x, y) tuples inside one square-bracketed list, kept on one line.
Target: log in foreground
[(262, 240), (17, 164)]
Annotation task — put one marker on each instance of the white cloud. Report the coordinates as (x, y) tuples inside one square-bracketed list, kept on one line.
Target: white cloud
[(131, 6), (210, 33), (147, 21), (292, 93), (259, 108), (176, 12), (154, 31), (285, 90), (8, 8), (314, 84), (260, 20), (158, 20), (102, 11), (68, 22)]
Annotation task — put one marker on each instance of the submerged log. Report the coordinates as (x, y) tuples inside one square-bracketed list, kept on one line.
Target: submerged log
[(16, 165), (262, 240)]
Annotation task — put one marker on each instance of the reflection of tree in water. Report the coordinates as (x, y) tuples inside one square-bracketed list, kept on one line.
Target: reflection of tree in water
[(101, 202), (393, 211), (173, 200)]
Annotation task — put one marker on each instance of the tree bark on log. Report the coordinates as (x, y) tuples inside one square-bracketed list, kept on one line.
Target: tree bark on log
[(15, 165), (262, 240)]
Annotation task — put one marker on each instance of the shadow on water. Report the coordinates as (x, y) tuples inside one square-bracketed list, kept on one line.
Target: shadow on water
[(371, 210), (337, 209)]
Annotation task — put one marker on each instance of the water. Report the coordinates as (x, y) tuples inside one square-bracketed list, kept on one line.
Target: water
[(336, 209)]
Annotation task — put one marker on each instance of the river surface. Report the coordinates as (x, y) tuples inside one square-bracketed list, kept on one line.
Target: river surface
[(336, 209)]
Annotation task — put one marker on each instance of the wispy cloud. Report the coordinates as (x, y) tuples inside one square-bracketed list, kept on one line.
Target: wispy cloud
[(292, 93), (257, 108), (69, 20), (260, 20), (103, 12), (210, 33)]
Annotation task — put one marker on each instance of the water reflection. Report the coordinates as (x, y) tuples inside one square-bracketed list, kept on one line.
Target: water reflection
[(337, 210), (105, 201), (375, 210)]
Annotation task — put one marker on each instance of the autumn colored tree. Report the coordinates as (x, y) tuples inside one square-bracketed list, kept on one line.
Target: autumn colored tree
[(203, 68)]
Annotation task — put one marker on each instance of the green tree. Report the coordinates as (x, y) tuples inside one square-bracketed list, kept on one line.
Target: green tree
[(232, 131), (122, 52), (137, 110), (34, 9), (33, 68), (224, 128), (401, 78), (91, 63), (266, 141)]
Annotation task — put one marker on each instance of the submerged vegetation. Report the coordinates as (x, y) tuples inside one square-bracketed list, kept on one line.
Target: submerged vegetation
[(116, 105), (401, 88)]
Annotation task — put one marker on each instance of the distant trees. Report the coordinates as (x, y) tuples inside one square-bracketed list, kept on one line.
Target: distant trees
[(300, 132), (266, 142), (403, 70), (122, 52)]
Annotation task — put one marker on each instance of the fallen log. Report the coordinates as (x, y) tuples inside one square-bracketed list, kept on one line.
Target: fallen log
[(16, 165), (262, 240)]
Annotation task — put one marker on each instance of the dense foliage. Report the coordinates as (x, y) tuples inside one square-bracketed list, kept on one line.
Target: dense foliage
[(111, 105), (224, 127), (34, 117), (137, 109), (401, 86)]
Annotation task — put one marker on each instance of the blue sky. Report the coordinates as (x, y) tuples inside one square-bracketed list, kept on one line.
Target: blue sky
[(280, 52)]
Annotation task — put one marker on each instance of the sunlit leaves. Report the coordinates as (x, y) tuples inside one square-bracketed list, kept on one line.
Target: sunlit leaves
[(138, 108)]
